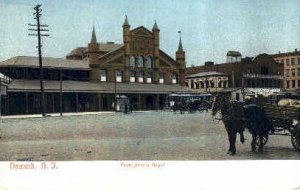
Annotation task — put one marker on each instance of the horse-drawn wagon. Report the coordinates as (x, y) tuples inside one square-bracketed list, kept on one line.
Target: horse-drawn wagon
[(285, 121), (260, 120)]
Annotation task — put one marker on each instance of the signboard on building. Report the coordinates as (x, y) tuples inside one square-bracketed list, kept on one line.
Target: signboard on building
[(264, 91)]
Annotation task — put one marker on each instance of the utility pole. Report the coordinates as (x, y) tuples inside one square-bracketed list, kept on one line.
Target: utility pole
[(60, 92), (39, 28)]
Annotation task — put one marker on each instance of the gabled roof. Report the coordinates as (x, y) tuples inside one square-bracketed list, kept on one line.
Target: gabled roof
[(103, 47), (141, 30), (48, 62)]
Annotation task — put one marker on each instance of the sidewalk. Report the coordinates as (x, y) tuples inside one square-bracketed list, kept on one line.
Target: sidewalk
[(64, 114), (53, 115)]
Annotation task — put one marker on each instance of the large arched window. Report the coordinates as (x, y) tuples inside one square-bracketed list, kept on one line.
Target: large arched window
[(149, 62), (149, 77), (174, 78), (140, 76), (140, 61), (132, 61), (132, 76), (103, 75), (161, 77)]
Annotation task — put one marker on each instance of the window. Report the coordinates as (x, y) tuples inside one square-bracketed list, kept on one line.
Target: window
[(174, 78), (141, 77), (282, 61), (149, 77), (132, 61), (225, 84), (132, 76), (287, 84), (237, 96), (298, 83), (220, 84), (287, 72), (293, 84), (201, 84), (161, 78), (293, 72), (118, 75), (264, 70), (287, 61), (103, 75), (192, 83), (292, 61), (212, 84), (299, 72), (140, 62), (298, 61), (149, 63)]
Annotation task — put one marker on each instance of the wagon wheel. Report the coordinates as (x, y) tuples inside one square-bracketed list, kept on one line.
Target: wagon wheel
[(265, 140), (295, 138)]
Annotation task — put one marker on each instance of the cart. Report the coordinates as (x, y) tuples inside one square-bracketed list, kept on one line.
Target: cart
[(283, 120)]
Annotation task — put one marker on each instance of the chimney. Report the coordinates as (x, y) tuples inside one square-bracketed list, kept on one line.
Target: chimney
[(296, 50)]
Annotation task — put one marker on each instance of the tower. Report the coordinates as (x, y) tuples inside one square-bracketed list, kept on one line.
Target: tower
[(155, 31), (180, 59), (93, 48), (126, 40)]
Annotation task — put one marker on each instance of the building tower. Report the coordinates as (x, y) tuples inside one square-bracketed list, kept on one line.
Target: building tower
[(180, 59), (93, 49), (155, 31), (126, 40)]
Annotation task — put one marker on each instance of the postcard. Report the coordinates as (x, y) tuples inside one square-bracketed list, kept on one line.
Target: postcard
[(128, 94)]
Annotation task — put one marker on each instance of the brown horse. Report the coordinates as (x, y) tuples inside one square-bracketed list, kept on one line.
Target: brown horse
[(236, 117)]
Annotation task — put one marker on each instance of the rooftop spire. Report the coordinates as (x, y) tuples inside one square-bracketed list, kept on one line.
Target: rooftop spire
[(180, 49), (126, 23), (94, 39), (155, 27)]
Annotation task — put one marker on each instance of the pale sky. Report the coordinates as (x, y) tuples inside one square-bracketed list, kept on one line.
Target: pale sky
[(209, 27)]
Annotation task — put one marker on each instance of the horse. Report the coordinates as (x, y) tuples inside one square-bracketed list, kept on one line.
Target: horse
[(236, 117)]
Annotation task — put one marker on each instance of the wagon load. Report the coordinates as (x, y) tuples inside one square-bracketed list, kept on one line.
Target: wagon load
[(289, 102), (283, 118)]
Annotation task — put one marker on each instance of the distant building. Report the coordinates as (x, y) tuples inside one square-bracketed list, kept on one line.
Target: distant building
[(262, 74), (291, 62), (211, 81), (233, 56)]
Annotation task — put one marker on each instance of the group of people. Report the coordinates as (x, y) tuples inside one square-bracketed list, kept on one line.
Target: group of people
[(191, 106)]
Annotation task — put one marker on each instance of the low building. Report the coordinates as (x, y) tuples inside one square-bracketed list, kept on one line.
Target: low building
[(211, 81), (260, 74)]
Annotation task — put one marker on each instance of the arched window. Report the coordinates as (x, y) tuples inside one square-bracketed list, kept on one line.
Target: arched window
[(103, 75), (161, 77), (141, 77), (149, 77), (119, 74), (132, 76), (149, 62), (220, 84), (140, 61), (174, 78), (132, 61), (201, 84)]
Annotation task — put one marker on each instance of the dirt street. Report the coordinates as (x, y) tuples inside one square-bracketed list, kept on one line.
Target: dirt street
[(137, 136)]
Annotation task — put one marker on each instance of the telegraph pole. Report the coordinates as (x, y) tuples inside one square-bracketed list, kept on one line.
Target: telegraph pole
[(39, 28)]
